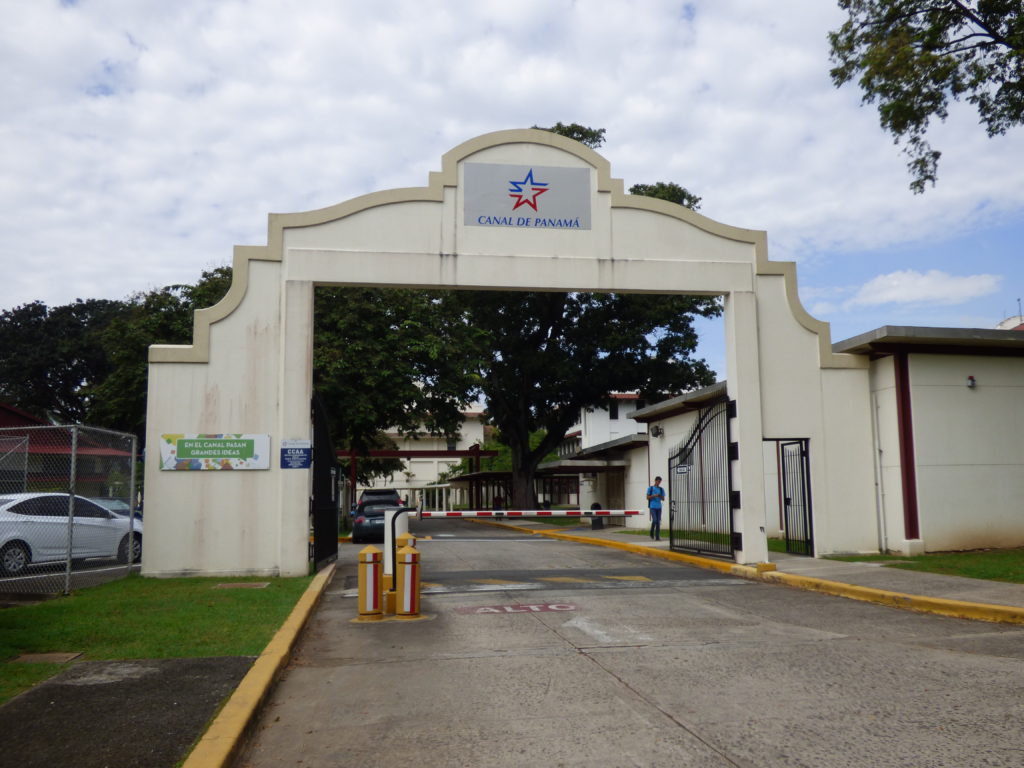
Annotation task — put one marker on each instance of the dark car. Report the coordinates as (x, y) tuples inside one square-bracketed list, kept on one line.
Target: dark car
[(369, 521), (381, 496)]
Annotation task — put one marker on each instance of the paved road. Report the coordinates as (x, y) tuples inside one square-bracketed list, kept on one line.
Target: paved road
[(548, 653)]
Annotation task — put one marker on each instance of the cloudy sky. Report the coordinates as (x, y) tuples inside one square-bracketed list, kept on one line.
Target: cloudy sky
[(142, 139)]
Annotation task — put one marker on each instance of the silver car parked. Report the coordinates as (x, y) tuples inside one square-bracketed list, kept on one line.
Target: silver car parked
[(34, 529)]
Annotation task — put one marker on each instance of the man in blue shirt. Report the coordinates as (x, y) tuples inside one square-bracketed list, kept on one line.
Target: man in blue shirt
[(655, 496)]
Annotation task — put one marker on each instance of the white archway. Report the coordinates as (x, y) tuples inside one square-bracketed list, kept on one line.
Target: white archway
[(248, 370)]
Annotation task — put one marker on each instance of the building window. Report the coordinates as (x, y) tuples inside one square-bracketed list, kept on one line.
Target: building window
[(613, 409)]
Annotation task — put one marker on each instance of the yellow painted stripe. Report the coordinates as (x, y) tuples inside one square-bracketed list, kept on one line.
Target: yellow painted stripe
[(222, 739), (627, 578)]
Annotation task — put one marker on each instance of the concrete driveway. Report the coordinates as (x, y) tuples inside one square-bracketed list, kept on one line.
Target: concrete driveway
[(543, 652)]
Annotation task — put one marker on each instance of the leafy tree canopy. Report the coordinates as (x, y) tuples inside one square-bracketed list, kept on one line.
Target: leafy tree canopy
[(668, 191), (160, 316), (913, 56), (592, 137), (51, 358), (390, 358), (545, 357)]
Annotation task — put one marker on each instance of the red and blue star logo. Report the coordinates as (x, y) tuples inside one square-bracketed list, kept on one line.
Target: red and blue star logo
[(527, 191)]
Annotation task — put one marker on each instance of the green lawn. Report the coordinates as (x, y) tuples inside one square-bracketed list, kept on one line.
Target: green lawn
[(144, 618), (992, 564)]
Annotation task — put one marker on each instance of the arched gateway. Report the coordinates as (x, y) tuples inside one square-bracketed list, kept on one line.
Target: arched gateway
[(520, 209)]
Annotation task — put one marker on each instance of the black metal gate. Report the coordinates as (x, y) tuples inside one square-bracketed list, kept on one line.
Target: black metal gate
[(796, 497), (701, 500), (323, 505)]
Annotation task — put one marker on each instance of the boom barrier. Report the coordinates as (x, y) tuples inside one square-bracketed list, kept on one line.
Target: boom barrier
[(530, 513)]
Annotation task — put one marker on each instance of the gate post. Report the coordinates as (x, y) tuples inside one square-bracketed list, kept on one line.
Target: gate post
[(744, 386)]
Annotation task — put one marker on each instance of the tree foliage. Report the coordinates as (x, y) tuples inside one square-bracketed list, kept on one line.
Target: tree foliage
[(52, 358), (160, 316), (546, 357), (592, 137), (913, 56), (390, 358), (669, 191)]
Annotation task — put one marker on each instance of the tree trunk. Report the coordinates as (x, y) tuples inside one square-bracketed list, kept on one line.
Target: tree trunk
[(523, 467)]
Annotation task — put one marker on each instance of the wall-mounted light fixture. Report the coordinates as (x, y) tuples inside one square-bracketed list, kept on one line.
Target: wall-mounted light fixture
[(971, 383), (657, 431)]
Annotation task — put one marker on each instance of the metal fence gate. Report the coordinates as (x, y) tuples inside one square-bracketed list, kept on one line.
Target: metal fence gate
[(796, 497), (69, 514), (323, 503), (701, 499)]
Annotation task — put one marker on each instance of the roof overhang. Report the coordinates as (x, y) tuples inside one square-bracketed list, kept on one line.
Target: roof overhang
[(890, 339), (691, 401), (613, 448), (584, 466)]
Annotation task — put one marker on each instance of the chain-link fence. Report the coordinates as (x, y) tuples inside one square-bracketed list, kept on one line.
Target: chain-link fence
[(68, 514)]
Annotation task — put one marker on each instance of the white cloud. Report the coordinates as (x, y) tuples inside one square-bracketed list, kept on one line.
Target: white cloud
[(143, 140), (933, 287)]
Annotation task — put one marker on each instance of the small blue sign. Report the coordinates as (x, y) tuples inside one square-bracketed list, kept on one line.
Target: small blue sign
[(296, 454)]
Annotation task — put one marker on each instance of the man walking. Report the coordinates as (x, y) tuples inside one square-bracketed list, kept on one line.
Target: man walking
[(655, 496)]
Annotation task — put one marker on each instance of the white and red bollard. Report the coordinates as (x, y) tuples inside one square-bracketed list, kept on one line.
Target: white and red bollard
[(407, 583)]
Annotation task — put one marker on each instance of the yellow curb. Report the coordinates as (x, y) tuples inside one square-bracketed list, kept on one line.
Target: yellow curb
[(217, 747), (959, 609), (767, 572)]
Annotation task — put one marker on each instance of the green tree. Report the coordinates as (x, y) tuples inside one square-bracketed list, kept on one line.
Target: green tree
[(161, 316), (592, 137), (913, 56), (548, 356), (669, 191), (52, 358), (390, 358), (545, 357)]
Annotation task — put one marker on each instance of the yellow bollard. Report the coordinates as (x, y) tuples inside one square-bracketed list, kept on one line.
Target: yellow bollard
[(407, 578), (405, 540), (371, 564)]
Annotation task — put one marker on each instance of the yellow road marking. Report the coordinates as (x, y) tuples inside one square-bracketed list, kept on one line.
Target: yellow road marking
[(627, 578)]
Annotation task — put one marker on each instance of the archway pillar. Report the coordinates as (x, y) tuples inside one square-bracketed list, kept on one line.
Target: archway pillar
[(744, 386), (293, 409)]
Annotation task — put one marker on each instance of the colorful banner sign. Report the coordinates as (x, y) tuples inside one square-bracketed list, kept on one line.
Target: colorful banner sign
[(526, 196), (204, 452)]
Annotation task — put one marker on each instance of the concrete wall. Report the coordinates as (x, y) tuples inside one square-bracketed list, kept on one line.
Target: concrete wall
[(220, 522), (969, 449), (886, 453)]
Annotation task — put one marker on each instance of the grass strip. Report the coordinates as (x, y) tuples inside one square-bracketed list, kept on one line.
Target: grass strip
[(144, 618), (992, 564)]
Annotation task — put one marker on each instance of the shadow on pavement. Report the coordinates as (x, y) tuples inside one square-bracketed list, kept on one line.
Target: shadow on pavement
[(143, 713)]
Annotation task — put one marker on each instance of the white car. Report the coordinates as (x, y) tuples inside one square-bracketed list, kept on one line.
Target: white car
[(34, 529)]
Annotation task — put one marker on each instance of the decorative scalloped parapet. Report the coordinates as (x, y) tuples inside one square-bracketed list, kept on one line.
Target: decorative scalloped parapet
[(199, 350)]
